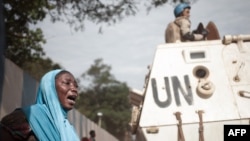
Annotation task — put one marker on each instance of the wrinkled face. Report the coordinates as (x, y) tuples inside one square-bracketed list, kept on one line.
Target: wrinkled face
[(186, 12), (66, 88)]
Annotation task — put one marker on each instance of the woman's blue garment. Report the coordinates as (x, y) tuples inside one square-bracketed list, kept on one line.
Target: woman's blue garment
[(47, 118)]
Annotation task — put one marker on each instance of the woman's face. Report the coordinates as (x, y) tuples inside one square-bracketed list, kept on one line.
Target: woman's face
[(66, 88)]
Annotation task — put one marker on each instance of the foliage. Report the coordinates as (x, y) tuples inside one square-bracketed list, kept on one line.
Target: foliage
[(75, 12), (107, 95), (24, 43), (24, 47)]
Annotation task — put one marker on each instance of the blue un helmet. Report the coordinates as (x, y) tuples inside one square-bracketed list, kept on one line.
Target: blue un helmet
[(179, 8)]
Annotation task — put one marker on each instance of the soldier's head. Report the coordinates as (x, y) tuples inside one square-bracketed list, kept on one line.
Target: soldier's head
[(182, 9)]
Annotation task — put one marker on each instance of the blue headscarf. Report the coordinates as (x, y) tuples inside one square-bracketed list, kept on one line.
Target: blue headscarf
[(47, 118)]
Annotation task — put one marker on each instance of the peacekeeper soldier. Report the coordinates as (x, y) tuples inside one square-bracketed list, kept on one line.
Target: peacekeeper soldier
[(179, 29)]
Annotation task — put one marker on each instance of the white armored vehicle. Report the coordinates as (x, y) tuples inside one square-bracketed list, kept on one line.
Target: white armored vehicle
[(193, 89)]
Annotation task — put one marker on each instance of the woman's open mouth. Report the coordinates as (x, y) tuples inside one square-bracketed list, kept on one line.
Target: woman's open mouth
[(72, 99)]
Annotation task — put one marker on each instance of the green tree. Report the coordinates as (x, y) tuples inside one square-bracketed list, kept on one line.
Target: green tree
[(24, 47), (24, 43), (105, 94)]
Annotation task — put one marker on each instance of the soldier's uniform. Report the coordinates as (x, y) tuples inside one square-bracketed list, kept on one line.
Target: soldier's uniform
[(176, 30), (179, 29)]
